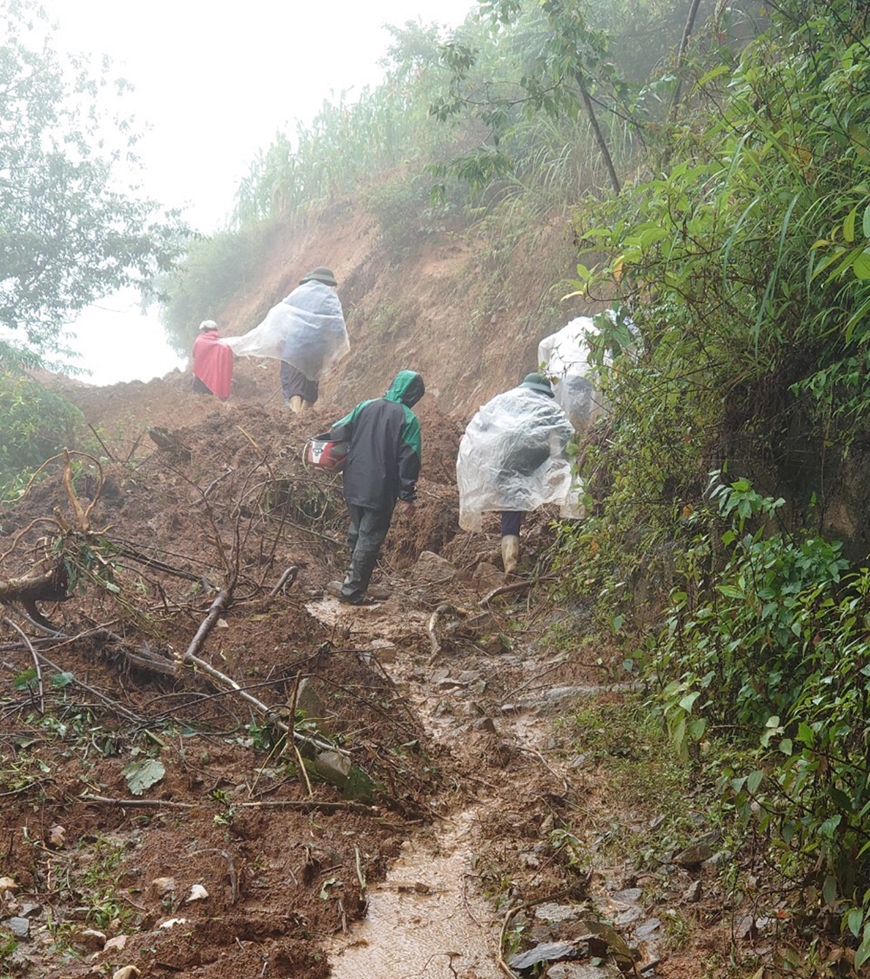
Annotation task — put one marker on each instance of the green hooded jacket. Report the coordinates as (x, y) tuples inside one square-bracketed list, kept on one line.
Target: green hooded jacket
[(383, 460)]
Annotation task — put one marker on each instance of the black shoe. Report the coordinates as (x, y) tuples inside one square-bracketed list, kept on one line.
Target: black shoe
[(356, 598)]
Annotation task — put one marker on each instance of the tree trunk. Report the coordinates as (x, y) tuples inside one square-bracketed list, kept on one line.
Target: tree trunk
[(684, 43), (599, 136), (48, 587)]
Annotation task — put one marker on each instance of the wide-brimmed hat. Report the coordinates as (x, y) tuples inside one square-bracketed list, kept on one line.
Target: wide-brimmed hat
[(537, 382), (320, 274)]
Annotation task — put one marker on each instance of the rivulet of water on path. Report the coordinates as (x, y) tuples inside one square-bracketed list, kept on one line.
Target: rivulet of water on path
[(425, 920)]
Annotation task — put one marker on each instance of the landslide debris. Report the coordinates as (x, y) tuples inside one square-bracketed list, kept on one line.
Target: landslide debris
[(134, 756)]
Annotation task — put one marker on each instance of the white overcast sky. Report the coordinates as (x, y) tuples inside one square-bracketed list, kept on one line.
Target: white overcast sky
[(214, 82)]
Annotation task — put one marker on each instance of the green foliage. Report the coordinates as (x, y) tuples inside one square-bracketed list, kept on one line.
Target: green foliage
[(68, 235), (211, 271), (559, 61), (747, 256), (98, 884), (775, 653), (350, 145), (142, 773), (744, 264), (35, 424)]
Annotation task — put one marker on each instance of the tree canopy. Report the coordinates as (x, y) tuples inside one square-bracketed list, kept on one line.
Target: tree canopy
[(70, 231)]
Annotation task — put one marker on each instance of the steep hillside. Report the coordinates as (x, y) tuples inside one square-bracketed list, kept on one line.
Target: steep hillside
[(464, 312)]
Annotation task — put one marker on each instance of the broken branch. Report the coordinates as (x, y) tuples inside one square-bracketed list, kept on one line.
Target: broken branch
[(36, 665)]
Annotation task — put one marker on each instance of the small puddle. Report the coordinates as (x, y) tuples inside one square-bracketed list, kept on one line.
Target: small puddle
[(425, 920)]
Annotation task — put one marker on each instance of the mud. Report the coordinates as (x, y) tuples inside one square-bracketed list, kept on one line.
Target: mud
[(426, 918), (462, 764)]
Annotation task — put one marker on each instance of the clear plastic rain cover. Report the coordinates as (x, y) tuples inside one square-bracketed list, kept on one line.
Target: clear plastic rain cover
[(513, 457), (307, 330), (565, 356)]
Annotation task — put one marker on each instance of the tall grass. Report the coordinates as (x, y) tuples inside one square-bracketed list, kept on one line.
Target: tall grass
[(390, 147)]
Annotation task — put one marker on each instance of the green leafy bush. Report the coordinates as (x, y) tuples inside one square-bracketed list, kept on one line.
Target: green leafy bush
[(35, 424), (775, 657)]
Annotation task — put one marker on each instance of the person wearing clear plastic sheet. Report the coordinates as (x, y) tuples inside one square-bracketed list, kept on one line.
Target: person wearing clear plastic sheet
[(382, 468), (299, 391), (212, 362), (306, 331), (512, 459)]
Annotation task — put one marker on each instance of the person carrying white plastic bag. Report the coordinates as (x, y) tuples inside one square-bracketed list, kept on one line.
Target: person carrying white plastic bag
[(306, 331), (512, 459)]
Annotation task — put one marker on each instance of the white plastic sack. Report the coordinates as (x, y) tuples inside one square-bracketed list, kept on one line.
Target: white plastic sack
[(565, 357), (512, 457), (307, 330)]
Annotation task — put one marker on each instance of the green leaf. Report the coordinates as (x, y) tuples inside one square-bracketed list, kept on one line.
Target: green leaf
[(754, 780), (696, 728), (806, 734), (61, 680), (142, 774), (25, 680), (840, 799), (861, 266), (688, 701), (863, 952), (849, 225)]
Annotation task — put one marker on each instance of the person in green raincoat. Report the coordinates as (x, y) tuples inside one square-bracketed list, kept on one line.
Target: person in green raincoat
[(382, 468)]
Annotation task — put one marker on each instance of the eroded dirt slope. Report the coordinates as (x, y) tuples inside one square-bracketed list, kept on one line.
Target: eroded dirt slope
[(166, 810), (465, 312)]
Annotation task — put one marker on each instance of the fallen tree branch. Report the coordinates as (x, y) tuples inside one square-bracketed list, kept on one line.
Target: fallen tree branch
[(102, 800), (314, 743), (36, 665), (126, 551), (506, 969), (507, 590), (49, 631), (220, 604), (106, 449), (288, 577), (48, 587), (217, 480)]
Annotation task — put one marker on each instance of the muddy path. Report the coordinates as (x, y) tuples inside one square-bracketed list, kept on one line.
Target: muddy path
[(447, 901)]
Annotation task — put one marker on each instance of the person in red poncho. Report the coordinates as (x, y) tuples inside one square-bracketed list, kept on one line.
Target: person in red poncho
[(212, 362)]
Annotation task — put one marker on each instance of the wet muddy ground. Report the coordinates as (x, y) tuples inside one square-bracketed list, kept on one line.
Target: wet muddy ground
[(305, 789)]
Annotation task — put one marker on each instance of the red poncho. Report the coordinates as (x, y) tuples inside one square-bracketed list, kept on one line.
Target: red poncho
[(213, 363)]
